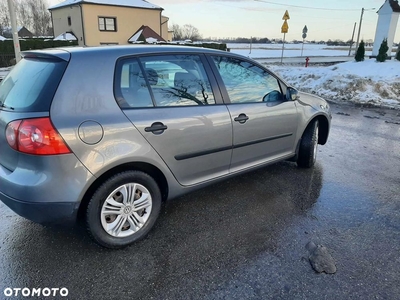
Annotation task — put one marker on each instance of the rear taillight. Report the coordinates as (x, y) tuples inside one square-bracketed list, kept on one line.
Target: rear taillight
[(35, 136)]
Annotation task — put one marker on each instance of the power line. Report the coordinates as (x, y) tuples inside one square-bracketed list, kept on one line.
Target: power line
[(307, 7)]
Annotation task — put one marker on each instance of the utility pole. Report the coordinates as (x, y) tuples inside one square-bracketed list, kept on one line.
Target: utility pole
[(352, 38), (17, 49), (359, 27)]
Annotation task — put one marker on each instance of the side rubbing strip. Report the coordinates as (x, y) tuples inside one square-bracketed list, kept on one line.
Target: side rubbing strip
[(197, 154), (211, 151), (262, 141)]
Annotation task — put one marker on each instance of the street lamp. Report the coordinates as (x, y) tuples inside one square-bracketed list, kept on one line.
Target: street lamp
[(359, 27)]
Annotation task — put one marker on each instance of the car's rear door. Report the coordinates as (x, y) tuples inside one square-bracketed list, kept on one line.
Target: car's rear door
[(264, 121), (174, 104)]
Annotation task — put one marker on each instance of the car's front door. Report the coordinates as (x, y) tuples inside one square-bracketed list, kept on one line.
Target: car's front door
[(170, 100), (264, 121)]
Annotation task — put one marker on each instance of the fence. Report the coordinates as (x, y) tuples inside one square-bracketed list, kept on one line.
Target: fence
[(7, 59)]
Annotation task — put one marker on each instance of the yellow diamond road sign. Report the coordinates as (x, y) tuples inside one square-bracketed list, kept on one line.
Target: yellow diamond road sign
[(286, 16), (285, 27)]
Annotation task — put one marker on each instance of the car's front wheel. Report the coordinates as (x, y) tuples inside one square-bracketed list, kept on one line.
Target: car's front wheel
[(309, 146), (123, 209)]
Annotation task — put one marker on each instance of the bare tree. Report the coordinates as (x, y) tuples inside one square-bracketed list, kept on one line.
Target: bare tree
[(23, 13), (40, 16), (4, 16), (186, 32), (190, 32), (177, 35), (33, 14)]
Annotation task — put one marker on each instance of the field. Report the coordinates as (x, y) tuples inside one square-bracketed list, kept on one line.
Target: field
[(292, 50)]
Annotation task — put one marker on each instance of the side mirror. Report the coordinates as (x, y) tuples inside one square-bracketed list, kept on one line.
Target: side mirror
[(292, 94)]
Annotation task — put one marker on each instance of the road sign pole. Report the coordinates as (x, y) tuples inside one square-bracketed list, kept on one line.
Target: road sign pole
[(305, 30), (283, 47), (284, 30)]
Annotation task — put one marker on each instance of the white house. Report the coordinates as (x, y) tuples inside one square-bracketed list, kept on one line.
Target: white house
[(387, 23)]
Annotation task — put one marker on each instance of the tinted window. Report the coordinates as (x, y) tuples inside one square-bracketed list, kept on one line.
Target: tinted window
[(31, 85), (178, 80), (131, 89), (246, 82)]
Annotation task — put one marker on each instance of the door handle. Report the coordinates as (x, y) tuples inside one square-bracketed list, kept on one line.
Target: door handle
[(242, 118), (156, 128)]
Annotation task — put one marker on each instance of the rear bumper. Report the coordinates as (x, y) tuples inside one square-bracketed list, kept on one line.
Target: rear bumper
[(45, 189), (43, 212)]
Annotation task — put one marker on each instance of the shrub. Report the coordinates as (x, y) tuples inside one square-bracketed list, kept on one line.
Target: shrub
[(360, 54), (398, 53), (382, 55)]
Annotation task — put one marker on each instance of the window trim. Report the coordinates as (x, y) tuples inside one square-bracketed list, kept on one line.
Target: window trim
[(105, 23), (204, 60)]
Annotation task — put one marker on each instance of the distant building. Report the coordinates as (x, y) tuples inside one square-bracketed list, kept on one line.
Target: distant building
[(387, 23), (100, 22), (23, 32)]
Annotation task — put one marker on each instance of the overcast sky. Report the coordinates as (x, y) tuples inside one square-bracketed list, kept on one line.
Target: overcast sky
[(245, 18)]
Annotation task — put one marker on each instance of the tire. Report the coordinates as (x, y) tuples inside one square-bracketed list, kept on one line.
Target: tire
[(309, 146), (123, 209)]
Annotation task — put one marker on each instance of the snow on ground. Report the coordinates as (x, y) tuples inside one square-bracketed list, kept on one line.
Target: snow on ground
[(291, 50), (367, 82)]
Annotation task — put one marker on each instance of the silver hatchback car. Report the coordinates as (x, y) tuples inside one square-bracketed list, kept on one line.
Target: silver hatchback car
[(111, 132)]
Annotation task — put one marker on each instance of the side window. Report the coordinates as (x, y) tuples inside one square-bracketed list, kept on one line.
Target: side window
[(246, 82), (130, 86), (178, 80)]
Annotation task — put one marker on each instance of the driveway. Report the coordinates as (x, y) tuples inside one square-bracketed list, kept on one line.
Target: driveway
[(244, 238)]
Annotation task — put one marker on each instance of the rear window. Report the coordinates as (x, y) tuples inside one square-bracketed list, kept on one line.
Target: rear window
[(31, 85)]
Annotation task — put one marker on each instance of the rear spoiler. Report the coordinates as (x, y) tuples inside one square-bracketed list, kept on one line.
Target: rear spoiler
[(57, 54)]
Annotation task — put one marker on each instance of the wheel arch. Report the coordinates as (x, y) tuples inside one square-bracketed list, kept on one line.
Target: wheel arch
[(147, 168), (323, 124)]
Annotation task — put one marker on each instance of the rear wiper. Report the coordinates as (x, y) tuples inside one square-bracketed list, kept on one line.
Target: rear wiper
[(5, 106)]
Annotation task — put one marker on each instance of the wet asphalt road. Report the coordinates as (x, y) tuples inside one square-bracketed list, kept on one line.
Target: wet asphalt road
[(244, 238)]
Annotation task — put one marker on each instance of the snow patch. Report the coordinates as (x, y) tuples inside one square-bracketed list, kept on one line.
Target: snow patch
[(367, 82)]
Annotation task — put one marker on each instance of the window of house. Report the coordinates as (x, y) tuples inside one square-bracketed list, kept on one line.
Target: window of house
[(246, 82), (107, 24), (69, 21)]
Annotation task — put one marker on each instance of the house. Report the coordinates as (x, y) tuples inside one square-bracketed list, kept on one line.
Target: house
[(102, 22), (23, 32)]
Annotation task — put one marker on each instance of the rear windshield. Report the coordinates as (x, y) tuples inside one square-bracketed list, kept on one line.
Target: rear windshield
[(31, 85)]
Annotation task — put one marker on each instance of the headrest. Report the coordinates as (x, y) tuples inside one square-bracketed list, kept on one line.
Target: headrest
[(186, 80)]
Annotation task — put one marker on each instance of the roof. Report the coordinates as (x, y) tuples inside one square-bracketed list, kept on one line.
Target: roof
[(126, 3), (145, 33), (66, 36), (127, 50), (394, 4)]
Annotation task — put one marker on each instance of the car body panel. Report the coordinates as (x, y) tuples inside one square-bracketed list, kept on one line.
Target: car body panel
[(187, 147), (202, 145), (269, 133)]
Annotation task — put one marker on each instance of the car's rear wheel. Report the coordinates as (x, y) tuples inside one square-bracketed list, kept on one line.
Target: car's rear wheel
[(123, 209), (309, 146)]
